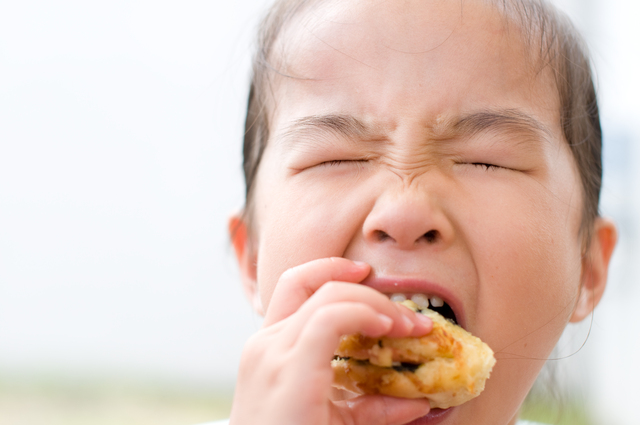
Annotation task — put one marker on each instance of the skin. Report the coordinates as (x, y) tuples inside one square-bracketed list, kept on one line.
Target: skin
[(493, 215)]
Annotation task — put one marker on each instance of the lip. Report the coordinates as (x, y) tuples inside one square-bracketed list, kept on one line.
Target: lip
[(390, 285), (434, 417)]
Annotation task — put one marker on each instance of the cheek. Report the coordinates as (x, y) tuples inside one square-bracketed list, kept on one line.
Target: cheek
[(527, 257), (300, 222), (529, 265)]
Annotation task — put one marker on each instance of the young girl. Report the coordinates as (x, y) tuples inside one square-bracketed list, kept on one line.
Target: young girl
[(449, 148)]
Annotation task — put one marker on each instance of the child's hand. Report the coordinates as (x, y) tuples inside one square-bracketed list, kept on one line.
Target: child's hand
[(285, 373)]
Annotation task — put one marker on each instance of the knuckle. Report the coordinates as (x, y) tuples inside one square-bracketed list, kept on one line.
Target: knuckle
[(258, 352), (326, 293), (329, 287), (249, 359), (323, 315), (360, 308), (288, 274), (253, 344)]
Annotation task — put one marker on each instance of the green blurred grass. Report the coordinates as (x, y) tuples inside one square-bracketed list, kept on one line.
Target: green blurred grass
[(556, 409), (60, 402), (54, 402)]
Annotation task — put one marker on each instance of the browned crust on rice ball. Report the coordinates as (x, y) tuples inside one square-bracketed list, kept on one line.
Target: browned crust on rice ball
[(449, 366)]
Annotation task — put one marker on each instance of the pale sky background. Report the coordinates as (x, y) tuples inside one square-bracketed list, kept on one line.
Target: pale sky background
[(120, 141)]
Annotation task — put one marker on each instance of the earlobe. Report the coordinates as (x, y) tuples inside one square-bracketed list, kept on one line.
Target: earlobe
[(246, 257), (595, 267)]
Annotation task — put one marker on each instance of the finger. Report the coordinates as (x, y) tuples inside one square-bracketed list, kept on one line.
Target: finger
[(383, 410), (319, 338), (308, 359), (405, 321), (297, 284)]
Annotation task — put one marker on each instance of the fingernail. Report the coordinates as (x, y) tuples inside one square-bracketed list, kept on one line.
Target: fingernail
[(360, 264), (386, 320)]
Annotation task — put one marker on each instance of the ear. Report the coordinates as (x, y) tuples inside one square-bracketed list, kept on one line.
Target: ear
[(595, 267), (245, 255)]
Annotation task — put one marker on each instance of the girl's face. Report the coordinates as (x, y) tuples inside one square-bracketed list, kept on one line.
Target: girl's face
[(416, 136)]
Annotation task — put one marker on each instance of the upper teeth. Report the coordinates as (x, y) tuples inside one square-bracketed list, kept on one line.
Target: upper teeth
[(398, 298), (421, 300), (436, 301)]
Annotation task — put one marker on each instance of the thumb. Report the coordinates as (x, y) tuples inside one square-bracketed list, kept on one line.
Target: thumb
[(383, 410)]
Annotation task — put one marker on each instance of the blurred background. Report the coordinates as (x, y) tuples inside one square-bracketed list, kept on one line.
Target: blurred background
[(120, 140)]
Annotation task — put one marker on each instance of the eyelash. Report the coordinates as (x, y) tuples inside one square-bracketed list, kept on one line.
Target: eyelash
[(486, 166), (335, 162), (342, 161)]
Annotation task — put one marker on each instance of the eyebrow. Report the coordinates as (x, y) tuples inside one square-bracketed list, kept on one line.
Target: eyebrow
[(506, 120), (350, 127), (343, 125)]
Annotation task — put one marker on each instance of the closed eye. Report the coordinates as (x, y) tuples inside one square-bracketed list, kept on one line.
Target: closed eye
[(486, 166), (336, 162)]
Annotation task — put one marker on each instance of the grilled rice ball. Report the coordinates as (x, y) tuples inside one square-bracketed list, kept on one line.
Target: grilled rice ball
[(449, 366)]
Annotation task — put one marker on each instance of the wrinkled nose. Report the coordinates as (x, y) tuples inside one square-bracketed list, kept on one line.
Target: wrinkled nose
[(408, 221)]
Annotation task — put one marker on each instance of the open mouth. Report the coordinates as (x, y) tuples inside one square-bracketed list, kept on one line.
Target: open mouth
[(423, 302), (431, 302), (448, 365)]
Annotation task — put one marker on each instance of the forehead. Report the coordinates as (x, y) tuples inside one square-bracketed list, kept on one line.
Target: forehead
[(406, 26), (447, 56)]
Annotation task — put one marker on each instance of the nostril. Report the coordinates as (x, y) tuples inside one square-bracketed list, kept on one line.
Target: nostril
[(381, 236), (431, 236)]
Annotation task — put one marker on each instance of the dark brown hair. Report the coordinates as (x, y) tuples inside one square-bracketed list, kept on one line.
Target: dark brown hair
[(559, 48)]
